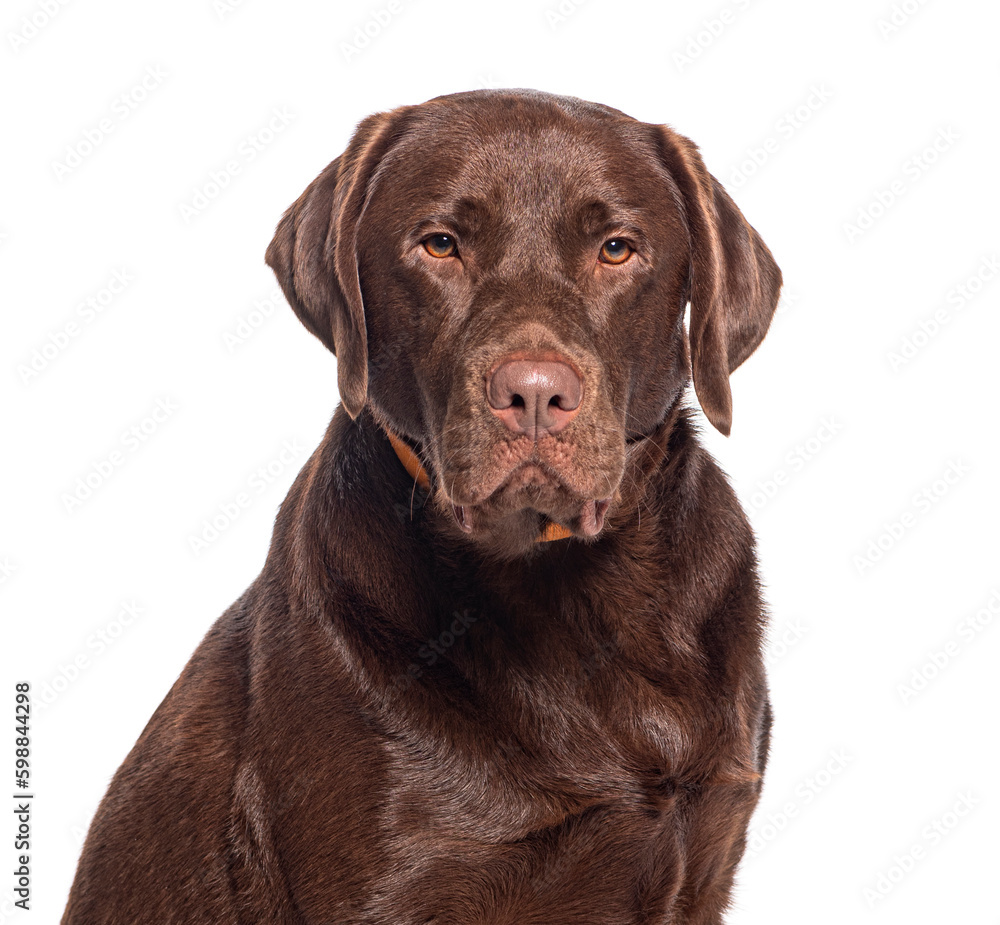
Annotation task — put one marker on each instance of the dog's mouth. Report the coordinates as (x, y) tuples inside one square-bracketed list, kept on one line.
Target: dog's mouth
[(506, 491), (533, 491)]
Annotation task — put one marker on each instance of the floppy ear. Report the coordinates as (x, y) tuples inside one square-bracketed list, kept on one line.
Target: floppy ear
[(734, 282), (314, 255)]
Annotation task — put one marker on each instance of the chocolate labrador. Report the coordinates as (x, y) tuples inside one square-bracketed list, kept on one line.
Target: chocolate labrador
[(503, 663)]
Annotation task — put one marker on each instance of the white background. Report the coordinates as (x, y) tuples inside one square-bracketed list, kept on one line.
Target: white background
[(816, 117)]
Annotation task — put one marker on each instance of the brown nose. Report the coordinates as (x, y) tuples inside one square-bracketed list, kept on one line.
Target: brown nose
[(534, 397)]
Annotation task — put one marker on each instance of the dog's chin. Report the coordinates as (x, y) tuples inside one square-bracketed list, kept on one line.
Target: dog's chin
[(529, 510)]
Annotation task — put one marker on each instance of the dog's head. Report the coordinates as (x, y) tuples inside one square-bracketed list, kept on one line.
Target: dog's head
[(503, 277)]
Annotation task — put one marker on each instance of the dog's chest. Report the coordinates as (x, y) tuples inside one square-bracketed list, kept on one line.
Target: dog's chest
[(539, 771), (531, 771), (568, 857), (528, 717), (569, 809)]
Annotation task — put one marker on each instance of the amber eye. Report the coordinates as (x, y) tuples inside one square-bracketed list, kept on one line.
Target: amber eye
[(441, 245), (615, 251)]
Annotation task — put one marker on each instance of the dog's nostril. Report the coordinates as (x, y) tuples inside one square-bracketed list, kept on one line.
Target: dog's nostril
[(517, 401)]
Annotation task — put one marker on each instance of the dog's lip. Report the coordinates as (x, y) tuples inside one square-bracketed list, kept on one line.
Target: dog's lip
[(582, 515), (592, 516), (588, 522), (533, 474), (462, 518)]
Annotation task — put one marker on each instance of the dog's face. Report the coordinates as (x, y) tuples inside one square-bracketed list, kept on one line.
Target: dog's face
[(503, 276)]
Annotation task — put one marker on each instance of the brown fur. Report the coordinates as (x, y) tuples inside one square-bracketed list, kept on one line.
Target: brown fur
[(400, 721)]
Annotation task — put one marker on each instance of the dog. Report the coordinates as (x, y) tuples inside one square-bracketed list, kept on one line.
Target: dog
[(503, 662)]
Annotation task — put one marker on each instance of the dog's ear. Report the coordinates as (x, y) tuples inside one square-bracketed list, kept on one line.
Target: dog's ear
[(314, 255), (734, 282)]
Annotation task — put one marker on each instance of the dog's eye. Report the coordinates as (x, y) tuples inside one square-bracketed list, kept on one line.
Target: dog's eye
[(615, 251), (441, 245)]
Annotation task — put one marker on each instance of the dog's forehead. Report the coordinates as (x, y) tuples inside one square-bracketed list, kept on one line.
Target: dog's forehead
[(529, 160), (529, 166)]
